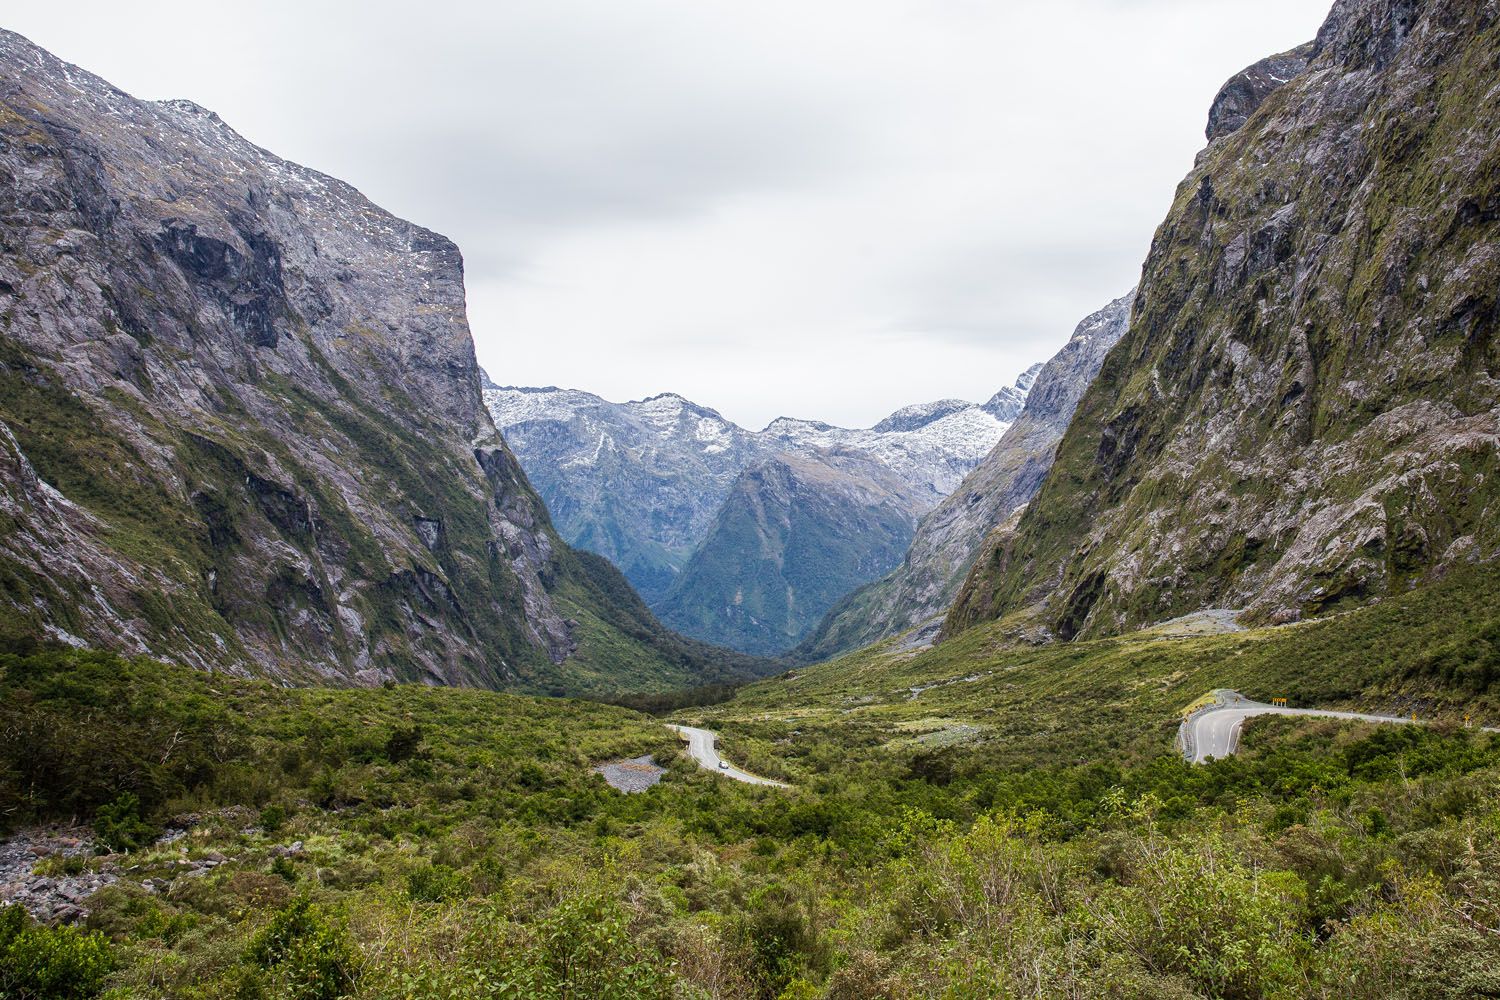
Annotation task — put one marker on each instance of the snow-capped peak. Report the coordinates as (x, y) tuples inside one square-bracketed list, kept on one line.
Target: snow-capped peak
[(909, 418), (1007, 404), (931, 446)]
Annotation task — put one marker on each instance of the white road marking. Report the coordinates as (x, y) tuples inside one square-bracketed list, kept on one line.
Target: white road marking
[(1214, 731)]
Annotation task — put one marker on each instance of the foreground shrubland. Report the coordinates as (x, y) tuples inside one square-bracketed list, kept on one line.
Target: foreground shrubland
[(423, 843)]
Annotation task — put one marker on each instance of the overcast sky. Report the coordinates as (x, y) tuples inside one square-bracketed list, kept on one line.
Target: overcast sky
[(817, 208)]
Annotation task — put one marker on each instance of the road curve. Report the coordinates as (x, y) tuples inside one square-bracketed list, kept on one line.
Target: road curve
[(1214, 731), (701, 747)]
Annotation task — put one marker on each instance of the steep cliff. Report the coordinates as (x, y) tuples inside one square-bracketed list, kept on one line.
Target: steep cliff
[(948, 538), (1305, 413), (241, 423)]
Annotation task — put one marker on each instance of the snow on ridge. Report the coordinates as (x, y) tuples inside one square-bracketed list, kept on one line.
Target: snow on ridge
[(714, 433), (664, 410), (1027, 379), (510, 405), (920, 414), (931, 446)]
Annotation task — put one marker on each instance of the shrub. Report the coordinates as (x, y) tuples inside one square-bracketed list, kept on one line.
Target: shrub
[(307, 952), (403, 744), (46, 963), (119, 827), (126, 911), (272, 818), (586, 951), (283, 869), (434, 884), (1199, 911), (778, 936)]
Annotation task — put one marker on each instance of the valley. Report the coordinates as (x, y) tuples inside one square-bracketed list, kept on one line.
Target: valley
[(744, 539), (333, 669), (402, 844)]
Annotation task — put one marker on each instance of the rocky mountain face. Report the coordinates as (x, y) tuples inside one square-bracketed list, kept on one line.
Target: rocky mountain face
[(1305, 412), (948, 538), (642, 483), (796, 532), (638, 483), (241, 424)]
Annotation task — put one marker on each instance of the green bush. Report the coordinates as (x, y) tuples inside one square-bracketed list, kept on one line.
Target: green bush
[(283, 869), (119, 827), (778, 936), (47, 963), (586, 950), (1198, 911), (435, 883), (272, 818), (403, 744), (306, 952), (125, 911)]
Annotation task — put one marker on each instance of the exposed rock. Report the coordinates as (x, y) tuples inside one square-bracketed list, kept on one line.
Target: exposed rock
[(241, 424), (1248, 89), (1305, 413), (56, 898)]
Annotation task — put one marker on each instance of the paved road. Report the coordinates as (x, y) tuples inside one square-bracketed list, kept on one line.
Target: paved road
[(1215, 731), (700, 745)]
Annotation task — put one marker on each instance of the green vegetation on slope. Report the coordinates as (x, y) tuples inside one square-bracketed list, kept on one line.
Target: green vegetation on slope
[(209, 534), (1303, 414), (1030, 831), (1433, 651), (792, 538)]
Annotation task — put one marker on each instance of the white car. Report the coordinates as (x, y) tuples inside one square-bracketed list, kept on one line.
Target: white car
[(723, 766)]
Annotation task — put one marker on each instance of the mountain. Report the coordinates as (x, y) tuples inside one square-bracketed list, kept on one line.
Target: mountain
[(1304, 415), (948, 538), (642, 483), (638, 483), (796, 532), (241, 425)]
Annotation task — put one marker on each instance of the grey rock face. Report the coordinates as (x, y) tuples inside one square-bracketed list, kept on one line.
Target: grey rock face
[(1305, 413), (948, 538), (241, 424), (1246, 90), (642, 483), (1007, 404)]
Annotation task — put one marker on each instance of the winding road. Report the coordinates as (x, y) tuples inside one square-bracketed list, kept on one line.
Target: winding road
[(700, 746), (1214, 730)]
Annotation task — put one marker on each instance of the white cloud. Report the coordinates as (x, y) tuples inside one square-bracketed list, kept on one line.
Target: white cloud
[(825, 208)]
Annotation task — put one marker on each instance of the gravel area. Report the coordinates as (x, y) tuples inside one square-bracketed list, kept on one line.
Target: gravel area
[(634, 775), (1209, 621), (920, 638)]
